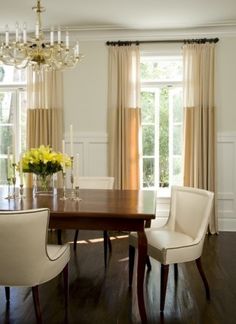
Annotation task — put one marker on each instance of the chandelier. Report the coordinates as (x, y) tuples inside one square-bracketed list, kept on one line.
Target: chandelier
[(36, 51)]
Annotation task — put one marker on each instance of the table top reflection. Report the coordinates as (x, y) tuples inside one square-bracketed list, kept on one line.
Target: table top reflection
[(95, 204)]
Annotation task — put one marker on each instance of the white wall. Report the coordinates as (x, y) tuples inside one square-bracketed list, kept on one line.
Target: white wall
[(85, 90), (226, 132), (225, 84), (85, 102)]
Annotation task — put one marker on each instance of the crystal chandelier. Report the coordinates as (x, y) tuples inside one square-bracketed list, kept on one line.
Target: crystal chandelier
[(36, 51)]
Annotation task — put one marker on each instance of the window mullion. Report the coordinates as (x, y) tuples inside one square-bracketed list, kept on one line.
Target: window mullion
[(171, 151), (157, 130)]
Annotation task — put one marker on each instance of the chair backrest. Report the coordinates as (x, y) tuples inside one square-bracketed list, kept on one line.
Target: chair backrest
[(96, 182), (190, 210), (23, 237)]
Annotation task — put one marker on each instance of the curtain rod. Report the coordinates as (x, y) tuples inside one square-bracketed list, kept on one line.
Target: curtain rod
[(185, 41)]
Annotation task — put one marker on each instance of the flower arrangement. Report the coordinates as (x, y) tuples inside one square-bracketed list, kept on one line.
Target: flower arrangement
[(44, 161)]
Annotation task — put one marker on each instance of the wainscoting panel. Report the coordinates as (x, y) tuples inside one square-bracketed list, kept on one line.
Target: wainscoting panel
[(92, 148), (226, 177)]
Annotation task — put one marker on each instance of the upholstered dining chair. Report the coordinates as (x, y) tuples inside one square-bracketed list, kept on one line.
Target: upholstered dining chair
[(26, 258), (97, 183), (182, 238)]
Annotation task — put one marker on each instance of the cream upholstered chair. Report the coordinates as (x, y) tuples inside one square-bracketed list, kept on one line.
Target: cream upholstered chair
[(26, 258), (97, 183), (181, 239)]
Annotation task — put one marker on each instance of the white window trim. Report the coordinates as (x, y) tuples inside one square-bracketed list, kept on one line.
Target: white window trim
[(161, 192)]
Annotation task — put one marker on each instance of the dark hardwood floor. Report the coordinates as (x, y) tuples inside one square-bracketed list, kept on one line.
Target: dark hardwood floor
[(102, 296)]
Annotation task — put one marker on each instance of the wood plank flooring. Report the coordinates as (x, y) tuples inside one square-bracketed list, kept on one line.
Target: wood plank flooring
[(100, 296)]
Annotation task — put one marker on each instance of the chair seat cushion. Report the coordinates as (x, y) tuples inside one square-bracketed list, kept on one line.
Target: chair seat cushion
[(168, 246)]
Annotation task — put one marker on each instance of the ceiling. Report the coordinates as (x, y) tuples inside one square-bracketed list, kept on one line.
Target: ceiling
[(121, 14)]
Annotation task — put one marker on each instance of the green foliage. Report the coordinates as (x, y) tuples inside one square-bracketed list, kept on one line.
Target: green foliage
[(148, 140), (148, 107), (148, 172), (44, 168)]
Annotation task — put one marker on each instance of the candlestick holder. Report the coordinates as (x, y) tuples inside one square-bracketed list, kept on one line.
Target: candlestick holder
[(77, 197), (72, 194), (64, 186), (21, 191), (8, 188), (14, 195)]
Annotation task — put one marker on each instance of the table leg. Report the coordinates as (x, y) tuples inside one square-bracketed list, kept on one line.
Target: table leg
[(142, 255)]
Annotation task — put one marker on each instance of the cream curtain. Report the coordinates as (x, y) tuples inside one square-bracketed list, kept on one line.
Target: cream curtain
[(199, 123), (44, 114), (124, 115)]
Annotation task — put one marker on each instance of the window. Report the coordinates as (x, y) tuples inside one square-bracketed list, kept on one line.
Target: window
[(12, 115), (162, 121)]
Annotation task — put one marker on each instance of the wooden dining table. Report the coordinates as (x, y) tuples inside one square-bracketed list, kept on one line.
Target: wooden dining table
[(98, 209)]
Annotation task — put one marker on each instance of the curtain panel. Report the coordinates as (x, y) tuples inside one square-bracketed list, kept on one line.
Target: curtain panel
[(44, 114), (199, 120), (124, 115)]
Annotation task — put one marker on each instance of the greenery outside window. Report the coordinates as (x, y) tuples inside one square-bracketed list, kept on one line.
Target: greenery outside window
[(162, 121), (12, 115)]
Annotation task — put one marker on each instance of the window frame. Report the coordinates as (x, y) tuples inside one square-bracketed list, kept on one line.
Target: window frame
[(16, 88), (156, 86)]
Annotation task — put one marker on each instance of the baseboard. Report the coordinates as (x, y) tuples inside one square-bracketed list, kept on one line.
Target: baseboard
[(227, 225)]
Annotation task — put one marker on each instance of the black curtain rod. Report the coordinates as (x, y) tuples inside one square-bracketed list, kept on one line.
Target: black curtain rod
[(185, 41)]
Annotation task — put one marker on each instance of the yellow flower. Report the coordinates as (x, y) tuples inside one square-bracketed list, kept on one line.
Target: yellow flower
[(44, 161)]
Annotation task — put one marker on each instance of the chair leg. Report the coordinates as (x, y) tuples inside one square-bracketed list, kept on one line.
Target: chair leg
[(7, 293), (109, 243), (148, 263), (75, 239), (131, 263), (105, 244), (203, 276), (66, 285), (164, 278), (35, 291), (176, 271), (59, 240)]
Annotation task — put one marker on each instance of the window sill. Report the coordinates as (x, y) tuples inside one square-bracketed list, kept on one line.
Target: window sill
[(161, 192)]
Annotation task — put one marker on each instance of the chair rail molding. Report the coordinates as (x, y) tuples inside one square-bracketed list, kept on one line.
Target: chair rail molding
[(92, 148)]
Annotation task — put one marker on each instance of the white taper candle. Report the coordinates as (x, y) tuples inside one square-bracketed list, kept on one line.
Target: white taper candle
[(63, 152), (21, 170), (8, 163), (77, 170), (71, 140)]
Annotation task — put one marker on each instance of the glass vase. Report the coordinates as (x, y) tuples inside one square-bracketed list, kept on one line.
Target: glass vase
[(43, 184)]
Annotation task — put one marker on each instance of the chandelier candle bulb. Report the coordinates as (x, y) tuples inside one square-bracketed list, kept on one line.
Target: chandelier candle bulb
[(24, 34), (37, 30), (71, 140), (7, 36), (67, 40), (77, 49), (59, 36), (17, 32), (51, 37)]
